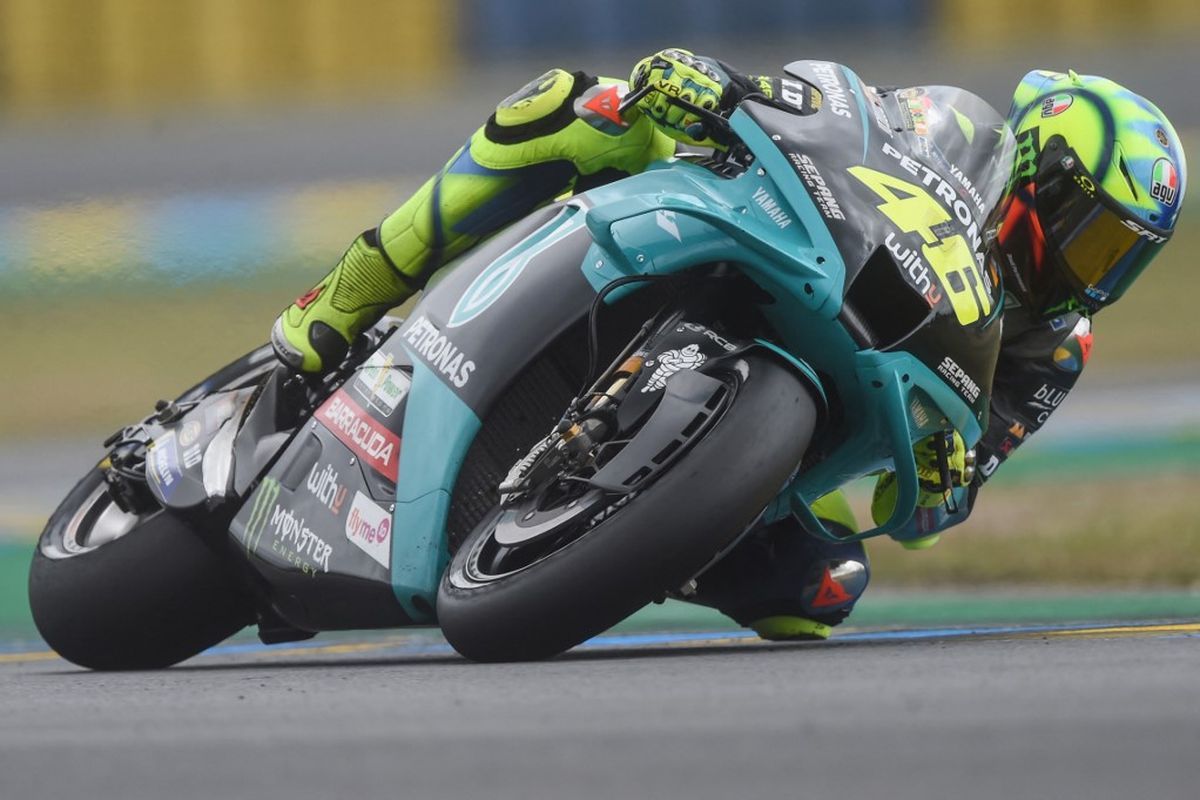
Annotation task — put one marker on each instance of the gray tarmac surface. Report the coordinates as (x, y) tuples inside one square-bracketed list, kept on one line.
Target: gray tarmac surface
[(1027, 716)]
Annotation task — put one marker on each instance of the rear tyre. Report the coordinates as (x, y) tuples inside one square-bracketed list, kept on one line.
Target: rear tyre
[(111, 590), (114, 591), (655, 542)]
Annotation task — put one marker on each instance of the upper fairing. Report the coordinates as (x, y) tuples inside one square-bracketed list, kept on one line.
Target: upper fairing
[(947, 140), (911, 175)]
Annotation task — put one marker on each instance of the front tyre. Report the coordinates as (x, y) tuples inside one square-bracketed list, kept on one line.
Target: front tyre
[(654, 541), (115, 591)]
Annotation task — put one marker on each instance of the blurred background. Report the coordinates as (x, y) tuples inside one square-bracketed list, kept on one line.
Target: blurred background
[(173, 173)]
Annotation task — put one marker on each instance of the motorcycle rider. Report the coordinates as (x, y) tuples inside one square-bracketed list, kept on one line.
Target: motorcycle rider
[(1095, 193)]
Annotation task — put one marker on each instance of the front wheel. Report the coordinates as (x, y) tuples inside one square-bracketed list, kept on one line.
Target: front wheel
[(505, 602)]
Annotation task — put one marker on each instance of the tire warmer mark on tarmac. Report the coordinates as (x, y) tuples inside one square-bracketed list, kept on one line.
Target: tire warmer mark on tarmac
[(409, 646)]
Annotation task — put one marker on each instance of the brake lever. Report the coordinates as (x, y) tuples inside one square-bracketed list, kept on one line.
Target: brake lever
[(630, 100)]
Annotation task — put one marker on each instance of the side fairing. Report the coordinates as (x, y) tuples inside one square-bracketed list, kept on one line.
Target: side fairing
[(493, 312), (348, 526), (480, 324), (318, 527)]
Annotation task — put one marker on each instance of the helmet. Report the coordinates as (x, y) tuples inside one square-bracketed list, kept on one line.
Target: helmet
[(1095, 192)]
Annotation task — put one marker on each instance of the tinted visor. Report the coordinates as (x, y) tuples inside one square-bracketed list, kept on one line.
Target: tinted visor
[(1099, 244)]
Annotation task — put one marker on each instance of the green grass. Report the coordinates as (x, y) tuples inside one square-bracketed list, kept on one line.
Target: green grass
[(88, 364), (1136, 532), (1028, 542), (14, 598), (1116, 533), (1024, 540)]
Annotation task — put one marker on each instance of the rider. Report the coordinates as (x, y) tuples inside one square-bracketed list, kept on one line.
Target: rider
[(1095, 192)]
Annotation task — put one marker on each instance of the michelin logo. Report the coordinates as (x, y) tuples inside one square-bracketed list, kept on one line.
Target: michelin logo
[(439, 352), (671, 362)]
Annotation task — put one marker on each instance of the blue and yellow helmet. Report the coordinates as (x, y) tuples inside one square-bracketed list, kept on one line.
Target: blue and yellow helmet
[(1096, 189)]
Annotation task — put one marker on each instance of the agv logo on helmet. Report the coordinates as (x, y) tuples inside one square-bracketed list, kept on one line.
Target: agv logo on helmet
[(1164, 182), (1056, 104)]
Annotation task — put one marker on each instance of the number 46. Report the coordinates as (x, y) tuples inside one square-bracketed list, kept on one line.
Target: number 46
[(913, 210)]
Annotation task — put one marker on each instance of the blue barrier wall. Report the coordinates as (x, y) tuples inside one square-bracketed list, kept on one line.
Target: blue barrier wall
[(508, 28)]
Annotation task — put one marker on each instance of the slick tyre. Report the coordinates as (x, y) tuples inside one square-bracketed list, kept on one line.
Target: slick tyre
[(654, 543), (112, 591)]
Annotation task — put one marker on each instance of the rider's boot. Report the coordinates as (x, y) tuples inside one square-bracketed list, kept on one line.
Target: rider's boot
[(558, 134), (786, 585), (314, 332)]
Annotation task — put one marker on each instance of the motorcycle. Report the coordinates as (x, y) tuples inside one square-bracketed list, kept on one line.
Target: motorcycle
[(783, 317)]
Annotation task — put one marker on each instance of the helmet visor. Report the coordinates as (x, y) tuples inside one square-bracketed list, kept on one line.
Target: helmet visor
[(1099, 244)]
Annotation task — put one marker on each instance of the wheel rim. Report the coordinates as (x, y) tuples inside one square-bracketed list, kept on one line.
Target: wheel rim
[(97, 522), (489, 561)]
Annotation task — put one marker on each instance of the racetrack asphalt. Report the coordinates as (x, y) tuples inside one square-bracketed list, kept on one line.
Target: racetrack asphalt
[(1032, 713)]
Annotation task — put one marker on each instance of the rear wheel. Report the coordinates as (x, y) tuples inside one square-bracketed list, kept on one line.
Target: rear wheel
[(505, 600), (112, 590)]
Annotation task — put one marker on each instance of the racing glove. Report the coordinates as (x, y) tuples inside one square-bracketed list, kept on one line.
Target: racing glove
[(933, 492), (679, 73)]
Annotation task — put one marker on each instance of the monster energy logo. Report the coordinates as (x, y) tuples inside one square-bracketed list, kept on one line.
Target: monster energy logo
[(1028, 147), (292, 539), (264, 501)]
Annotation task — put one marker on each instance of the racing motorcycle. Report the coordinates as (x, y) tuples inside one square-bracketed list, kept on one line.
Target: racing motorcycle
[(580, 416)]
